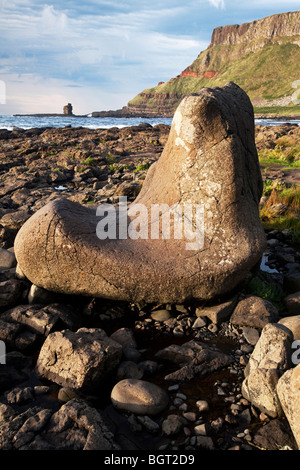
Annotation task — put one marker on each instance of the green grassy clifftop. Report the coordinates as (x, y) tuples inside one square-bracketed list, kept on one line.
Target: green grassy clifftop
[(262, 57)]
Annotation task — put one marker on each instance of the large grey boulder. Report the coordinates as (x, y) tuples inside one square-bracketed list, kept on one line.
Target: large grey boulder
[(209, 165)]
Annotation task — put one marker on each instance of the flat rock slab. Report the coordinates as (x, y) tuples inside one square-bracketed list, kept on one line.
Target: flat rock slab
[(209, 166), (139, 396), (75, 426), (195, 359)]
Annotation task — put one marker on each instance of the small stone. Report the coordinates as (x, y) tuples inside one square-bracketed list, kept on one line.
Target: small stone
[(148, 423), (201, 429), (213, 328), (190, 416), (7, 259), (205, 442), (161, 315), (19, 396), (173, 425), (202, 405), (200, 322), (129, 370), (251, 335), (139, 396), (65, 394)]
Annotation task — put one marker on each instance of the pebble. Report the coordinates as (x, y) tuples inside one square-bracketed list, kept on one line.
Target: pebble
[(139, 396), (202, 405)]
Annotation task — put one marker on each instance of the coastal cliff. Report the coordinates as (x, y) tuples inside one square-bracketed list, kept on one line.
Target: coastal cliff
[(262, 57)]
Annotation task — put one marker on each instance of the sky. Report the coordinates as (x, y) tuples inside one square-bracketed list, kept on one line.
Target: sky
[(99, 54)]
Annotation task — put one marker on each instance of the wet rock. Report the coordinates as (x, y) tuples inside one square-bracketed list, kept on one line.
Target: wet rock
[(79, 360), (139, 396)]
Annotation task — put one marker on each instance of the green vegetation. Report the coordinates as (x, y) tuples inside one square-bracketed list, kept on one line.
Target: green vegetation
[(110, 158), (89, 161), (264, 287), (286, 153), (275, 111), (289, 217), (142, 167), (266, 74)]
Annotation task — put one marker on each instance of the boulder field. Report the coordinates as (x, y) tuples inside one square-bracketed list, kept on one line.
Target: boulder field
[(79, 372)]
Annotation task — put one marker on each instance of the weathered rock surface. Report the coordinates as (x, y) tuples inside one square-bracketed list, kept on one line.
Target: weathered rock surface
[(195, 359), (254, 312), (293, 324), (75, 426), (288, 390), (58, 248), (79, 360), (270, 359)]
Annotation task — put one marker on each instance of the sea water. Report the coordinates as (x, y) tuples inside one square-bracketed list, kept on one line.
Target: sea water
[(11, 122)]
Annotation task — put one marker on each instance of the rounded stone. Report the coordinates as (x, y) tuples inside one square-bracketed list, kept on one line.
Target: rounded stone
[(139, 396)]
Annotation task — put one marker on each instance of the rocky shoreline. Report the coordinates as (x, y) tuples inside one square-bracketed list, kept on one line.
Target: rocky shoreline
[(197, 356)]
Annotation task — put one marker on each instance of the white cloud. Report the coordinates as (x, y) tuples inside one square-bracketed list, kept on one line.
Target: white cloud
[(217, 3)]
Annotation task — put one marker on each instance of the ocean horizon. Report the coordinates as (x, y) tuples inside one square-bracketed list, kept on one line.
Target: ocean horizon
[(11, 122)]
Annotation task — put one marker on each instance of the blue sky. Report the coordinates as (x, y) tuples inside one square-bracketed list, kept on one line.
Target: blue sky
[(98, 54)]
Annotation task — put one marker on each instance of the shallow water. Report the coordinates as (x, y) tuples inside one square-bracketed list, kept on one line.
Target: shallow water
[(29, 122)]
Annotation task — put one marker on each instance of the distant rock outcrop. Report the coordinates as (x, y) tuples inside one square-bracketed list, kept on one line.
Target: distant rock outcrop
[(68, 110), (262, 57)]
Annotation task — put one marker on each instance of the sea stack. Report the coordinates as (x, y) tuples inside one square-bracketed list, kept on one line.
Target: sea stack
[(68, 110), (209, 163)]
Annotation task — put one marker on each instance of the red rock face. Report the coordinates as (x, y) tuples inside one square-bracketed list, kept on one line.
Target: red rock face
[(190, 73), (211, 74), (208, 74)]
